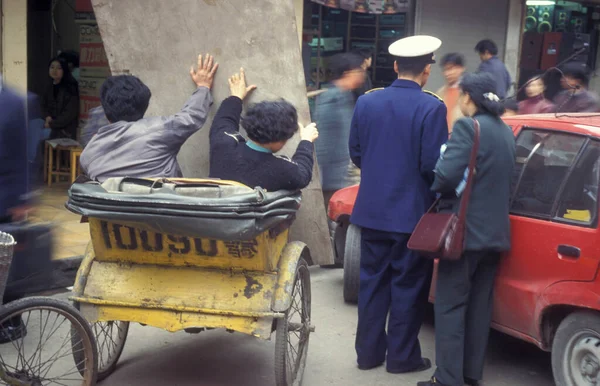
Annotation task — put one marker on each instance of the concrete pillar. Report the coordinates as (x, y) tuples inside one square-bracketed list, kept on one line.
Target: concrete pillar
[(14, 43), (299, 9), (514, 33)]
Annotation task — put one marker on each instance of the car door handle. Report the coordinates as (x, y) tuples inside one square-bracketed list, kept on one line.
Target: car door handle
[(569, 251)]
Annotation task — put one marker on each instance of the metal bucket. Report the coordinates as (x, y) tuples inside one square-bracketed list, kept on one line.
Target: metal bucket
[(7, 244)]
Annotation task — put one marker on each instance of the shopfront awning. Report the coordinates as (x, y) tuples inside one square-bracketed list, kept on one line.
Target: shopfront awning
[(368, 6)]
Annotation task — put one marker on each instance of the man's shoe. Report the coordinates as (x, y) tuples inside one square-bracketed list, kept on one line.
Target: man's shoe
[(431, 382), (425, 365), (11, 331), (472, 382)]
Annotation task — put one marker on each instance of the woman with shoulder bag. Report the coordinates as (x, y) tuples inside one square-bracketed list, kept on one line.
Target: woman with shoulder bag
[(464, 290)]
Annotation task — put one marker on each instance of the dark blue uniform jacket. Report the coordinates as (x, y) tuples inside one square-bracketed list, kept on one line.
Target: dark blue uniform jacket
[(395, 140)]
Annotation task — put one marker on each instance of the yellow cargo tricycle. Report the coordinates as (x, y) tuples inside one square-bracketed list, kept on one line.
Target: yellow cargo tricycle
[(189, 255)]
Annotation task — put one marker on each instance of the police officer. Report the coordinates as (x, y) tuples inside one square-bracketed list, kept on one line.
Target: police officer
[(395, 140)]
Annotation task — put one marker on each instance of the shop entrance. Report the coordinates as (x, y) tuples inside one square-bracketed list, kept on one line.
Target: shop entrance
[(555, 31), (329, 30)]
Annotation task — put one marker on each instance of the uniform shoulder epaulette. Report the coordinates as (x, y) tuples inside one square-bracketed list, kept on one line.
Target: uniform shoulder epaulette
[(374, 89), (433, 95)]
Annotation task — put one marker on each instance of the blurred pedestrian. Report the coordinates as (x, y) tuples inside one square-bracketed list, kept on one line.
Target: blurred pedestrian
[(333, 115), (14, 200), (453, 65), (464, 289), (490, 63), (367, 56), (395, 140), (536, 102), (511, 107), (576, 98), (60, 101), (13, 155)]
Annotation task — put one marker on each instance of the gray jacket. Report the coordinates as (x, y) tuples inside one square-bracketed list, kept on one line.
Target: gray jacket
[(496, 67), (488, 225), (148, 147), (333, 115)]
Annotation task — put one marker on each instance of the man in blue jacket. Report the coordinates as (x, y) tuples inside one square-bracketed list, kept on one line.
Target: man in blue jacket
[(490, 63), (395, 140)]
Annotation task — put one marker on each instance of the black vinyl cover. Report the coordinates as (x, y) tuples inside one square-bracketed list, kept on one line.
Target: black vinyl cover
[(208, 209)]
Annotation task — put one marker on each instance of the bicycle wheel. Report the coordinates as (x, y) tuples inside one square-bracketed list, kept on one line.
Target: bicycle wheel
[(110, 339), (35, 344)]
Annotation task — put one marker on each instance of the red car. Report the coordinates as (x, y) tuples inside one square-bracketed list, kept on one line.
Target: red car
[(547, 288)]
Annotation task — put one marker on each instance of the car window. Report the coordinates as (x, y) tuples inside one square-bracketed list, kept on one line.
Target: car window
[(579, 199), (543, 160)]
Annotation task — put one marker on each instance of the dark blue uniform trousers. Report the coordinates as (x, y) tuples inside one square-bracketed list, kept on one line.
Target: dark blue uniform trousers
[(393, 280)]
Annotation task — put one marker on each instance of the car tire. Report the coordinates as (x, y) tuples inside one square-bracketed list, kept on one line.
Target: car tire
[(352, 265), (576, 350)]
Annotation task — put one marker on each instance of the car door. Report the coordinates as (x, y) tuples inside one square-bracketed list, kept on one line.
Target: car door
[(554, 215)]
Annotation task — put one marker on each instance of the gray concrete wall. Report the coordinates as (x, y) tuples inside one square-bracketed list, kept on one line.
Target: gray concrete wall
[(159, 40)]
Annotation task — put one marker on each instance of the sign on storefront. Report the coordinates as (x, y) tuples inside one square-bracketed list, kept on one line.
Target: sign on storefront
[(368, 6)]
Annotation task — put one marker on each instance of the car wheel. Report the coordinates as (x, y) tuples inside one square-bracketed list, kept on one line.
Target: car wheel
[(352, 264), (576, 350)]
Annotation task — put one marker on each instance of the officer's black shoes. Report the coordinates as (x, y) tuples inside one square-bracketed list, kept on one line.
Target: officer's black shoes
[(425, 365), (431, 382), (472, 382), (370, 367)]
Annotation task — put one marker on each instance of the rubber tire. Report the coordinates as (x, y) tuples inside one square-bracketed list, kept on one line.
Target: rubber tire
[(38, 302), (571, 325), (352, 265), (111, 367), (281, 333)]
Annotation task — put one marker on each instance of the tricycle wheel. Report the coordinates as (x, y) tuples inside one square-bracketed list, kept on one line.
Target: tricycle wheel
[(352, 265), (576, 350), (293, 332), (110, 339), (34, 344)]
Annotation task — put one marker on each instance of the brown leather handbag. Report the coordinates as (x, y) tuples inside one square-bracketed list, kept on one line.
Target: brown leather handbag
[(442, 235)]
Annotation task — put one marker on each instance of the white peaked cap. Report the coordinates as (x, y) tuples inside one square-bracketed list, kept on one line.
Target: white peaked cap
[(415, 46)]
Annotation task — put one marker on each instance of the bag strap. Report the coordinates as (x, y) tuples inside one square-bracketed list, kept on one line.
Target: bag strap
[(464, 202)]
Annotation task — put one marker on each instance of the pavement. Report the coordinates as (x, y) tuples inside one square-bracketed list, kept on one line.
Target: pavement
[(154, 357)]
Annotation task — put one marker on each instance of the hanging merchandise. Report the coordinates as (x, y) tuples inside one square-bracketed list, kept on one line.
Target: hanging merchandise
[(367, 6)]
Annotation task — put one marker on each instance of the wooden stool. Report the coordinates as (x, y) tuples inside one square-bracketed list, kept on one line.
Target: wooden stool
[(53, 154), (75, 166)]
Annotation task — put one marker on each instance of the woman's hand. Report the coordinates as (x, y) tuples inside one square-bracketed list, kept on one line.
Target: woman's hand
[(238, 85), (204, 75), (47, 122), (309, 133)]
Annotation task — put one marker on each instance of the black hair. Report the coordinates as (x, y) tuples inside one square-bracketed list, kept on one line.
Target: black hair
[(481, 87), (510, 104), (411, 68), (577, 70), (364, 53), (271, 121), (67, 79), (124, 98), (487, 45), (342, 63), (70, 56), (453, 58)]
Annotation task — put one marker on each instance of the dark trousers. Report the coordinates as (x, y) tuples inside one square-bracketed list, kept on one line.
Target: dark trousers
[(395, 281), (463, 313)]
